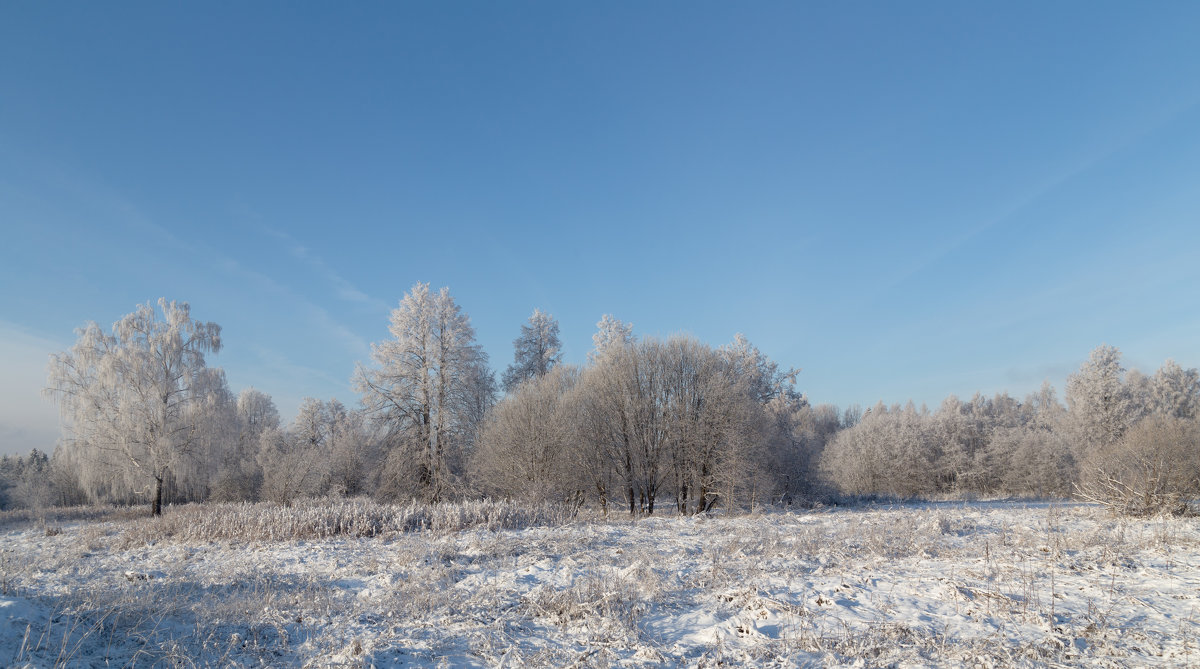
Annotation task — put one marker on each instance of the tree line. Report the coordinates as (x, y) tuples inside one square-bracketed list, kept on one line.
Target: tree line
[(647, 423)]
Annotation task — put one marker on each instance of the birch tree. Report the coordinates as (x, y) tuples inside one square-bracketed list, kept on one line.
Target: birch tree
[(134, 402), (424, 393)]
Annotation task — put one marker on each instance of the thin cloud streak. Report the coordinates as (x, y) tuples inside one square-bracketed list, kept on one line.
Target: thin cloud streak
[(353, 343), (1048, 187), (343, 288)]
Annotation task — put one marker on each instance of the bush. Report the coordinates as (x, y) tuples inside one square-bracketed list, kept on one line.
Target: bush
[(1154, 469)]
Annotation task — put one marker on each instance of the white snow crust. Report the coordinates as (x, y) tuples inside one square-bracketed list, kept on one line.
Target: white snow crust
[(945, 584)]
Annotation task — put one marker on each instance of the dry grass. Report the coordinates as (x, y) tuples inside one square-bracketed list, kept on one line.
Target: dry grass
[(317, 519), (52, 516), (938, 585)]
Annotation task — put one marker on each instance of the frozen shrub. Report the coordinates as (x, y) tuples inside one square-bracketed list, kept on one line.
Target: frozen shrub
[(1154, 469)]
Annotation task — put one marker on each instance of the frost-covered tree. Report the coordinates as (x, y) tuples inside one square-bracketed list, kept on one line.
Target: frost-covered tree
[(240, 476), (352, 450), (1175, 391), (292, 467), (481, 392), (890, 451), (660, 417), (1098, 401), (624, 422), (424, 393), (535, 352), (1029, 462), (10, 473), (327, 449), (26, 483), (1026, 451), (256, 413), (37, 481), (1043, 409), (852, 415), (718, 433), (762, 375), (312, 424), (857, 459), (611, 333), (295, 461), (1139, 395), (1153, 469), (798, 434), (137, 404), (524, 447)]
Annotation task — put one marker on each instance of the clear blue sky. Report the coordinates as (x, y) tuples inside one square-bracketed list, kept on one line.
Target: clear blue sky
[(906, 200)]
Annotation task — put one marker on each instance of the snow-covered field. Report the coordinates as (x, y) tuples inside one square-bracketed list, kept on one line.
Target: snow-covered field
[(991, 584)]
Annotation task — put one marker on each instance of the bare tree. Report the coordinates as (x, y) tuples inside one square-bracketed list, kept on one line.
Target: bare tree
[(657, 417), (136, 402), (524, 446)]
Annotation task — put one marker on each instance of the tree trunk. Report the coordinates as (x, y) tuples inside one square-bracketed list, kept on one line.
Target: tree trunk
[(602, 493), (156, 507)]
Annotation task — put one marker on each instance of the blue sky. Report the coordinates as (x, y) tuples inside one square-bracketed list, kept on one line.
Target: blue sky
[(906, 200)]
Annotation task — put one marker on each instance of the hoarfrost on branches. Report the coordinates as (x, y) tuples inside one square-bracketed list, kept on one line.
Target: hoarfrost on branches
[(535, 352), (140, 402), (424, 392)]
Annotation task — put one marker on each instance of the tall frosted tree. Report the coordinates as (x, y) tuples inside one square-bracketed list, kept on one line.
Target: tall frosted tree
[(1098, 401), (535, 352), (656, 417), (424, 393), (138, 403)]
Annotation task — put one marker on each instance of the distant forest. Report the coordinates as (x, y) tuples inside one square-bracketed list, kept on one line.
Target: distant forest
[(646, 424)]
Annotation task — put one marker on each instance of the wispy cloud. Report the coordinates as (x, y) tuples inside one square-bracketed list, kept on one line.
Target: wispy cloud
[(343, 288), (318, 315), (1076, 169), (315, 314), (111, 204)]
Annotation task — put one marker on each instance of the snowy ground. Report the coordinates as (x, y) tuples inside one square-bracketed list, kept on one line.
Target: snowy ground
[(989, 584)]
